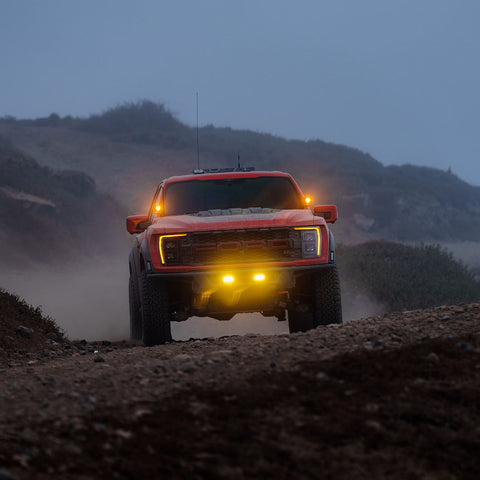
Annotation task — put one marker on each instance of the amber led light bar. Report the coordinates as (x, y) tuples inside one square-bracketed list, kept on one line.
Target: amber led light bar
[(317, 230), (160, 240)]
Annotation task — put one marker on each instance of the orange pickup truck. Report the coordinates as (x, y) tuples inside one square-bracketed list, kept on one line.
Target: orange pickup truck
[(224, 241)]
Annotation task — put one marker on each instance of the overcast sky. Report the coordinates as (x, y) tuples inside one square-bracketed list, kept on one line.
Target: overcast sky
[(399, 79)]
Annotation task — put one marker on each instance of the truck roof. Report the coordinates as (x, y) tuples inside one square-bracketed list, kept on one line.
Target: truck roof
[(225, 175)]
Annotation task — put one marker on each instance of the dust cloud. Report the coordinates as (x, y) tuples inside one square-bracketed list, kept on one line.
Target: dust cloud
[(90, 301), (356, 305)]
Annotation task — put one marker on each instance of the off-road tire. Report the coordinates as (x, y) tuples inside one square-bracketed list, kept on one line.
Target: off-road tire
[(299, 321), (327, 301), (319, 303), (135, 310), (155, 311)]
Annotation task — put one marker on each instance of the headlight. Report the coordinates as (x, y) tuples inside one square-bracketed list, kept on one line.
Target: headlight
[(311, 241), (169, 247)]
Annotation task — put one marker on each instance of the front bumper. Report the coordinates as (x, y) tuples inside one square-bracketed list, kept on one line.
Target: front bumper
[(247, 289), (290, 271)]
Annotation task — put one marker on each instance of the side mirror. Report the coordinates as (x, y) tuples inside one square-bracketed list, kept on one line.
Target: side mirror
[(137, 223), (328, 212)]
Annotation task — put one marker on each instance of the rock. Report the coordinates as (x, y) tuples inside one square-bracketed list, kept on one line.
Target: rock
[(182, 357), (53, 336), (433, 357), (372, 407), (24, 332), (73, 449), (99, 427), (98, 359), (222, 352), (4, 475), (125, 434), (368, 346), (374, 425), (141, 412), (466, 347)]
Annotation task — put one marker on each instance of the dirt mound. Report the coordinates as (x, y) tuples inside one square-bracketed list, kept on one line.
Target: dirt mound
[(24, 331), (408, 413), (382, 397), (28, 337)]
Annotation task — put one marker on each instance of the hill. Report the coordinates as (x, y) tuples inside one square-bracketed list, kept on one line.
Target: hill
[(51, 215), (129, 148)]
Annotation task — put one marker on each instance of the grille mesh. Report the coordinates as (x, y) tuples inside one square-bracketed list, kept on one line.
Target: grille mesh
[(239, 246)]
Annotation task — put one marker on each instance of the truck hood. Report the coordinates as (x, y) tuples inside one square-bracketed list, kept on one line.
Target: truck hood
[(196, 223)]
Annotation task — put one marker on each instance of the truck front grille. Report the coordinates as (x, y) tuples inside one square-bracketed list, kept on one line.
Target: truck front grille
[(239, 246)]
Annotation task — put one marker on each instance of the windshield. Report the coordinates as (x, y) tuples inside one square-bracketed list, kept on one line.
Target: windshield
[(200, 195)]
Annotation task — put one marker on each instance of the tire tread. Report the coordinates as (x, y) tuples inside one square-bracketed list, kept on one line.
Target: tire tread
[(155, 312)]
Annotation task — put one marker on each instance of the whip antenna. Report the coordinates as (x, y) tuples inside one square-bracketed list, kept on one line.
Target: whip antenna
[(198, 146)]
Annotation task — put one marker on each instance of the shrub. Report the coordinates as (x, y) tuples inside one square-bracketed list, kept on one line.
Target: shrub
[(406, 277)]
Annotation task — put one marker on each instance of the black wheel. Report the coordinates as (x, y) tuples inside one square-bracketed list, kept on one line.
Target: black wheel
[(316, 301), (135, 310), (155, 311), (327, 301)]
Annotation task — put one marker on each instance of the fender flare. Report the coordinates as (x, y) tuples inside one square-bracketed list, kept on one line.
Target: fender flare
[(144, 256)]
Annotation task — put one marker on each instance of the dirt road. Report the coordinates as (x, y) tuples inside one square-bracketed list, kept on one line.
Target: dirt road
[(386, 397)]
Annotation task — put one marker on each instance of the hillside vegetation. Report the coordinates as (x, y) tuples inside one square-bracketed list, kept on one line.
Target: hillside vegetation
[(402, 277), (129, 148)]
